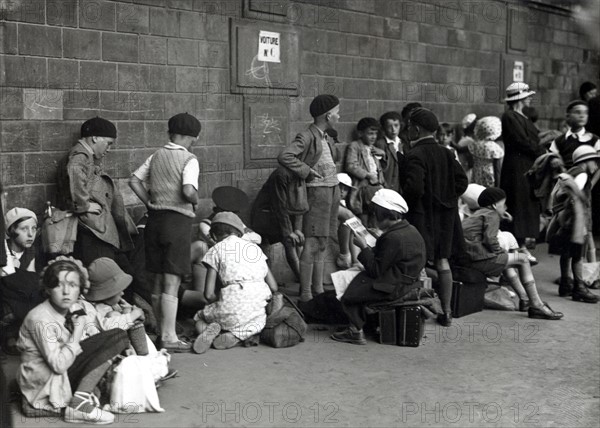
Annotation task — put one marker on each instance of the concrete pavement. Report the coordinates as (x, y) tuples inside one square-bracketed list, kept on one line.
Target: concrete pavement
[(490, 369)]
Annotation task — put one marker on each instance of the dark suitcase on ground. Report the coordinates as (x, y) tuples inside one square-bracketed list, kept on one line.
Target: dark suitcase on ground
[(410, 325), (387, 326), (401, 325), (467, 298)]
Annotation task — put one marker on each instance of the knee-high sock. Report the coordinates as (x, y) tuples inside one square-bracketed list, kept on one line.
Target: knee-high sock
[(565, 266), (534, 297), (513, 277), (168, 306), (445, 288), (306, 274), (317, 277)]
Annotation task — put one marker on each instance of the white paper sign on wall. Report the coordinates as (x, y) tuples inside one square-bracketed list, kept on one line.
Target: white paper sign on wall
[(518, 71), (269, 46)]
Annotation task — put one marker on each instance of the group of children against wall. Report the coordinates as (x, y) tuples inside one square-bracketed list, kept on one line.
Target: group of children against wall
[(397, 177)]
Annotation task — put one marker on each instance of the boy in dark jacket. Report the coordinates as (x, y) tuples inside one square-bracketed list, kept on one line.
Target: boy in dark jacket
[(391, 144), (432, 181), (392, 268)]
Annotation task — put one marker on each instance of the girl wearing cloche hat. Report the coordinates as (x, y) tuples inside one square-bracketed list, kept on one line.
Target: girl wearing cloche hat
[(521, 148)]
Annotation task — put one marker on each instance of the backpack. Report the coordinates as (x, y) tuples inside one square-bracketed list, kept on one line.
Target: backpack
[(284, 328)]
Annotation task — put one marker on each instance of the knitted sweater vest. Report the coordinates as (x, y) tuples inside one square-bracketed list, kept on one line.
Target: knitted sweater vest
[(166, 190)]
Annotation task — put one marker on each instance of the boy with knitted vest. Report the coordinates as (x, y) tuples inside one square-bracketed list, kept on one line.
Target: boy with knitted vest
[(171, 174)]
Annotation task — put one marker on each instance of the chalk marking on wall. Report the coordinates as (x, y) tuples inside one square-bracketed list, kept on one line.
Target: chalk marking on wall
[(259, 72)]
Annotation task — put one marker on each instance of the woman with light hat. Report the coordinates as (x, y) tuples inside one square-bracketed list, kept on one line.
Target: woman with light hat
[(522, 147), (19, 285), (392, 268)]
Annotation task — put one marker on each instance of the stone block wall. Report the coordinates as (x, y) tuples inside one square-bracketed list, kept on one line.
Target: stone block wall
[(137, 62)]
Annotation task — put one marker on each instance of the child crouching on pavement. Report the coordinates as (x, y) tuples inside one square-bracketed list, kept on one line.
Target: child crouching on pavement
[(392, 268), (107, 283), (237, 311), (486, 255)]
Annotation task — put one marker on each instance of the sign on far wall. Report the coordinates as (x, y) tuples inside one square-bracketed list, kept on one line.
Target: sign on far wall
[(268, 46)]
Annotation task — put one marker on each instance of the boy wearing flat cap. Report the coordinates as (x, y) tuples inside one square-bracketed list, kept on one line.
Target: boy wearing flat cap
[(432, 181), (311, 157), (171, 174), (104, 226)]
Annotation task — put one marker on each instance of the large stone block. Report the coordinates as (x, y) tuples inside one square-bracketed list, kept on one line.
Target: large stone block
[(80, 104), (40, 41), (12, 169), (153, 50), (32, 197), (120, 47), (213, 54), (23, 71), (59, 136), (41, 167), (131, 134), (132, 18), (190, 79), (8, 38), (182, 52), (98, 75), (148, 106), (42, 104), (11, 103), (97, 14), (117, 105), (192, 25), (164, 22), (20, 136), (178, 103), (33, 11), (63, 73), (62, 12), (81, 44)]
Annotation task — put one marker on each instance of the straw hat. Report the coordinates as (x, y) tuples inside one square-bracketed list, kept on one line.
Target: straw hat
[(518, 91)]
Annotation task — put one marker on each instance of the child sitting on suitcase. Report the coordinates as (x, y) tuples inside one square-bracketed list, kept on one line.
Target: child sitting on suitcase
[(237, 311), (487, 256), (392, 268)]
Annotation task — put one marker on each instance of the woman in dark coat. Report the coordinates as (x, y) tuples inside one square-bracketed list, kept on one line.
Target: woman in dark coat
[(522, 147)]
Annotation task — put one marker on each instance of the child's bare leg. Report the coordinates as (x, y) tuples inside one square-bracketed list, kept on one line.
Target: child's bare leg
[(201, 326), (307, 259), (168, 306), (156, 293), (291, 256), (319, 266), (591, 248), (199, 249)]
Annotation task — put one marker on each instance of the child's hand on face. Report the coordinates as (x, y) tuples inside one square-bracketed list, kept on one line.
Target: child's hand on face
[(137, 314), (112, 314)]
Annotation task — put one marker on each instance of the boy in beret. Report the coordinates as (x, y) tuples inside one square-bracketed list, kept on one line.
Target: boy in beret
[(391, 144), (432, 182), (104, 225), (171, 174), (311, 158), (363, 165)]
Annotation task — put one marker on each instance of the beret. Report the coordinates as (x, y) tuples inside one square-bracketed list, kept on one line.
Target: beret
[(490, 196), (585, 88), (424, 118), (322, 104), (184, 124), (98, 127)]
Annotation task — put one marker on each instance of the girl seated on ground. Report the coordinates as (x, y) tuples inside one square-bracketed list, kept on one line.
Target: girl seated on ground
[(107, 283), (19, 283), (237, 311), (487, 256), (56, 356)]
